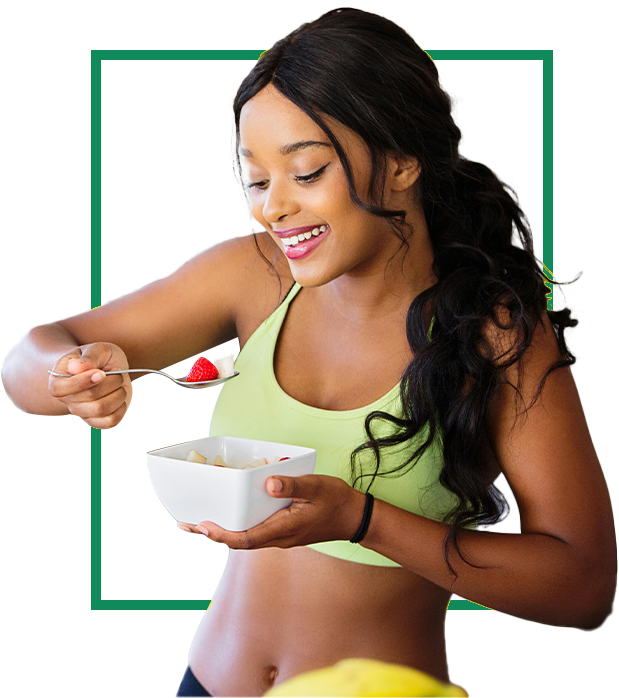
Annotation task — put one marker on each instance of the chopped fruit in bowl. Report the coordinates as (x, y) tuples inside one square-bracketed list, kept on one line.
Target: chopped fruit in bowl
[(195, 457)]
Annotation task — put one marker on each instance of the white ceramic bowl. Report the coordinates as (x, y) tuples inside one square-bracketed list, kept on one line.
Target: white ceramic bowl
[(230, 497)]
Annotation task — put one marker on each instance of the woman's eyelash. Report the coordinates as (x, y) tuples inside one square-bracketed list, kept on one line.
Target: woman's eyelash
[(312, 176), (301, 178)]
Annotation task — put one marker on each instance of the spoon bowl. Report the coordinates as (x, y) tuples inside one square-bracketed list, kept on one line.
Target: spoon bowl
[(179, 381)]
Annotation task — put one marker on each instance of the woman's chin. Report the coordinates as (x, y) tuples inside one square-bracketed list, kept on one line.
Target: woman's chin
[(307, 277)]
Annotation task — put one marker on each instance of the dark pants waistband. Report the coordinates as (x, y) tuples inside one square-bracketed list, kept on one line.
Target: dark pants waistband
[(190, 686)]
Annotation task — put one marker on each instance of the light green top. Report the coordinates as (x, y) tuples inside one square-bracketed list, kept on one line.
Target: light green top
[(254, 406)]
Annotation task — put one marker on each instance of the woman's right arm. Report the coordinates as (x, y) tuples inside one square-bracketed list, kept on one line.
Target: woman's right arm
[(186, 313)]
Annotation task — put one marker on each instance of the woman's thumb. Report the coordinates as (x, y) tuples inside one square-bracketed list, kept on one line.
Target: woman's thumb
[(77, 364), (276, 486), (92, 356)]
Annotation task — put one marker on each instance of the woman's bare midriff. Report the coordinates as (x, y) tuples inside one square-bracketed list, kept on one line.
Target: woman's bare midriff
[(278, 613)]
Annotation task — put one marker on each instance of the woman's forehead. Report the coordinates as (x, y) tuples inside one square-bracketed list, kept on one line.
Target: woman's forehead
[(270, 120), (269, 114)]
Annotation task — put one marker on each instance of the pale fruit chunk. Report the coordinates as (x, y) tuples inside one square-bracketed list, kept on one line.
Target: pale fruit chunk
[(195, 457), (256, 463), (225, 366)]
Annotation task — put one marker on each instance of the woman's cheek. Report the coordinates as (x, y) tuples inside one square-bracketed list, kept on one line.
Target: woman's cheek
[(255, 208)]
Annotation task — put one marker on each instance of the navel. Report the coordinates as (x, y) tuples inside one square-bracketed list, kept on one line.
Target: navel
[(270, 674)]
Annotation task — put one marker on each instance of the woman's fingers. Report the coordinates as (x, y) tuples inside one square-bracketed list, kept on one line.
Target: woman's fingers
[(96, 408), (87, 400), (80, 387), (106, 387), (100, 400), (189, 528), (64, 387), (109, 421)]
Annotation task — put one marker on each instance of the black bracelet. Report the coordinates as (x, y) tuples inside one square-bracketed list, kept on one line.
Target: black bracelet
[(365, 522)]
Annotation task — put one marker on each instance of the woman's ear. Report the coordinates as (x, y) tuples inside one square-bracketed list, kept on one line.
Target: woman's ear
[(403, 172)]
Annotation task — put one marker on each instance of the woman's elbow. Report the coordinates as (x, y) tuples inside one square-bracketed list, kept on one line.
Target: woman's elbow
[(598, 593)]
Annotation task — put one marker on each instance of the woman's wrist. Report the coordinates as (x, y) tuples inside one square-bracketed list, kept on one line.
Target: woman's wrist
[(372, 535), (360, 516)]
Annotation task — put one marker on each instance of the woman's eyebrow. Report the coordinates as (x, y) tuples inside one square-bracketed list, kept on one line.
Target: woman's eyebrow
[(290, 148)]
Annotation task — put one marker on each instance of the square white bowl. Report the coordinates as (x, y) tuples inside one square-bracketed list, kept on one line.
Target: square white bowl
[(233, 498)]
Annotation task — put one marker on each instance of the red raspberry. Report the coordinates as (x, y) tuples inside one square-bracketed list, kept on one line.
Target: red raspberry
[(202, 370)]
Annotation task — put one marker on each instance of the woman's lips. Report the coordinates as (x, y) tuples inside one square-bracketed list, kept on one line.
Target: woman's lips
[(302, 249), (295, 231)]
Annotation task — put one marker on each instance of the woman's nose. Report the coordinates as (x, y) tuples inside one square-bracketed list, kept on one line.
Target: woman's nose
[(278, 202)]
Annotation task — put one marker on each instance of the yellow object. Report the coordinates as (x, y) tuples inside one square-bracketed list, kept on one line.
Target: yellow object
[(365, 677)]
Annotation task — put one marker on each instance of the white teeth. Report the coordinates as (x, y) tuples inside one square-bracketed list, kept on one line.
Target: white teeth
[(296, 239)]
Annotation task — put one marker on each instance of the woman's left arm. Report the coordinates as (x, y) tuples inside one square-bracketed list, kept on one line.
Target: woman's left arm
[(562, 568)]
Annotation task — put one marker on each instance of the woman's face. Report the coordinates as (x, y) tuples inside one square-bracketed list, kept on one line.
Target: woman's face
[(294, 184)]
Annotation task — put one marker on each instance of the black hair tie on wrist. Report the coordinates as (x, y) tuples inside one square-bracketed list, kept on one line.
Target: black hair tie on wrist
[(365, 521)]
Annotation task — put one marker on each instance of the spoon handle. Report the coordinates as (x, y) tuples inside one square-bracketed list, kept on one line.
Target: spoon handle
[(179, 381), (134, 370), (112, 373)]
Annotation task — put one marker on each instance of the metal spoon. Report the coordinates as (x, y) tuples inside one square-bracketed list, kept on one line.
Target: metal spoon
[(178, 381)]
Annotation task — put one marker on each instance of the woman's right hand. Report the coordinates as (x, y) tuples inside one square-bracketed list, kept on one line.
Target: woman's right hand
[(100, 400)]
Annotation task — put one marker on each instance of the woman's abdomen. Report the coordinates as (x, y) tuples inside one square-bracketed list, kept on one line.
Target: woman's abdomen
[(277, 613)]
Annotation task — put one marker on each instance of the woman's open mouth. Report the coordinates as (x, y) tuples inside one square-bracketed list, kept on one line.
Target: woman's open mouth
[(299, 246)]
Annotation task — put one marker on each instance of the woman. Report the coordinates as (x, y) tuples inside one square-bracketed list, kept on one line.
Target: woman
[(407, 322)]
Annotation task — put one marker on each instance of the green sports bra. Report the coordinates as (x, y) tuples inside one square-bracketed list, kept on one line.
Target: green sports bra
[(254, 406)]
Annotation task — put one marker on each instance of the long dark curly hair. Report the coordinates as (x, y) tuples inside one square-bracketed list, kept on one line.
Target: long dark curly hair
[(368, 74)]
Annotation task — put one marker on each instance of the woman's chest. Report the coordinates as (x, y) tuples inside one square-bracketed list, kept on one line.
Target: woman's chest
[(337, 374), (331, 363)]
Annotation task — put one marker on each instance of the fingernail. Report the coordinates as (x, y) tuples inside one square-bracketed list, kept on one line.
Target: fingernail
[(203, 529), (96, 377), (184, 528), (277, 485)]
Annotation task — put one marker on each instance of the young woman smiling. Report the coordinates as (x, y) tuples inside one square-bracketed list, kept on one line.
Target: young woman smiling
[(386, 318)]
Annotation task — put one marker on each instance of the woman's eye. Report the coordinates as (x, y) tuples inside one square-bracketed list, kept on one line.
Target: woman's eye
[(311, 177), (256, 185), (300, 178)]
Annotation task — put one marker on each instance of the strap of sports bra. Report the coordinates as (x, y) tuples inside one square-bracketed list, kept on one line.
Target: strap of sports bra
[(294, 283)]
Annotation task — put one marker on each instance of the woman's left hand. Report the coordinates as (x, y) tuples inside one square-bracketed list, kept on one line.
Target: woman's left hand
[(323, 508)]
